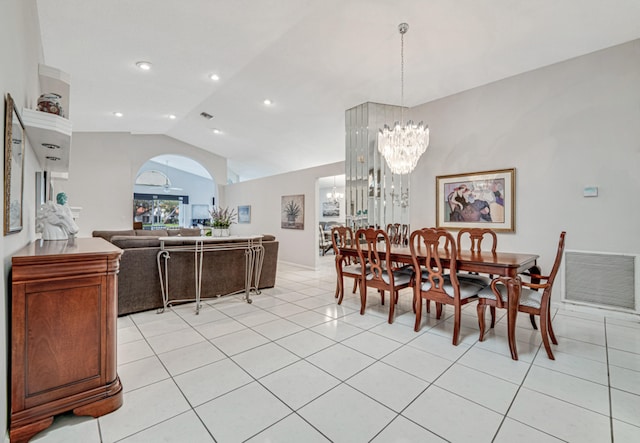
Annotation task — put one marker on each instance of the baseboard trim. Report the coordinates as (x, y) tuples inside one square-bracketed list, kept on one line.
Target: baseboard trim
[(297, 265)]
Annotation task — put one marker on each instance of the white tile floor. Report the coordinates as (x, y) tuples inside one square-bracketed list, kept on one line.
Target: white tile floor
[(295, 367)]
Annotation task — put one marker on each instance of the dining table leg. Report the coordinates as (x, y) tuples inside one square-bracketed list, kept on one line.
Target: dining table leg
[(514, 287)]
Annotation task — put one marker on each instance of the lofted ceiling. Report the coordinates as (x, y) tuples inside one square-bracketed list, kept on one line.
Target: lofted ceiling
[(313, 59)]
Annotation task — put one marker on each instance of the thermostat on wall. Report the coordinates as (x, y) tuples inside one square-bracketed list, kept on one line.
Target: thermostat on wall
[(590, 191)]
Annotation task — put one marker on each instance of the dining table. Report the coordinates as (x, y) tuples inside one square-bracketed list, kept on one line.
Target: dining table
[(504, 264)]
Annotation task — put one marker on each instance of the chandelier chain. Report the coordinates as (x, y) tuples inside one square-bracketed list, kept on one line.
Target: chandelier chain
[(402, 32), (402, 145), (402, 77)]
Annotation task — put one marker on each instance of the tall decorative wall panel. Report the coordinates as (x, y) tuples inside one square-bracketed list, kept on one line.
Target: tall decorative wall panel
[(373, 195)]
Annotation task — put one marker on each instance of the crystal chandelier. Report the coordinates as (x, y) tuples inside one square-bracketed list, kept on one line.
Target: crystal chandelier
[(334, 196), (402, 145)]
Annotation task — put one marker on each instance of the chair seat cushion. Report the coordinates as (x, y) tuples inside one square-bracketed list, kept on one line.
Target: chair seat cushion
[(353, 269), (483, 279), (407, 269), (399, 277), (528, 297), (467, 289)]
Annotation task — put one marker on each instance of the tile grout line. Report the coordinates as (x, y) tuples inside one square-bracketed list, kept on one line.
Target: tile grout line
[(606, 343)]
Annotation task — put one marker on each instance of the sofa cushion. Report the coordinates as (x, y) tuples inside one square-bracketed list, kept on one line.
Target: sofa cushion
[(133, 241), (268, 237), (107, 235), (152, 233), (190, 232)]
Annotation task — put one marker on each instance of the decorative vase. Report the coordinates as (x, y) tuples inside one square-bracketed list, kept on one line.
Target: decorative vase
[(50, 103), (220, 232)]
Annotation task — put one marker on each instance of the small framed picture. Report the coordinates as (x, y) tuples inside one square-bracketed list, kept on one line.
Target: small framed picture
[(331, 208), (244, 214)]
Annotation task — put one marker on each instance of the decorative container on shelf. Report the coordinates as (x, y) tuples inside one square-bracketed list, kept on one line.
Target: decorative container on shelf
[(50, 103), (221, 232)]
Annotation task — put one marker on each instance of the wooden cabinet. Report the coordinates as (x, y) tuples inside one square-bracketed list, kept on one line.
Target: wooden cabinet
[(64, 309)]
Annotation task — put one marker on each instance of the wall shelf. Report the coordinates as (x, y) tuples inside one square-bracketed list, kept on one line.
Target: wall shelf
[(50, 134)]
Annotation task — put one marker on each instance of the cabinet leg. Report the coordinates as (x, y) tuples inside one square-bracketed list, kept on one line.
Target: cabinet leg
[(24, 433), (101, 407)]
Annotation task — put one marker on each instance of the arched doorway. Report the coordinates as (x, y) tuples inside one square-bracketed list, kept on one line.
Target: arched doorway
[(171, 192)]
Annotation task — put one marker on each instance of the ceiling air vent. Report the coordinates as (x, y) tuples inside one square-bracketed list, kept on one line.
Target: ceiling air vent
[(206, 115)]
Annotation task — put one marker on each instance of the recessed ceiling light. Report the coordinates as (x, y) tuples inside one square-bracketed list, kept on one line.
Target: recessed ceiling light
[(145, 66), (214, 77), (216, 131), (118, 114), (267, 102), (172, 117)]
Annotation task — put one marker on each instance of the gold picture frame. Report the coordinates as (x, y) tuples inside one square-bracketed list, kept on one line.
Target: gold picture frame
[(13, 167), (477, 200)]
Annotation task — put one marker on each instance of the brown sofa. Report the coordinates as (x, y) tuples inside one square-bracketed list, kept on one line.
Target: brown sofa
[(139, 282)]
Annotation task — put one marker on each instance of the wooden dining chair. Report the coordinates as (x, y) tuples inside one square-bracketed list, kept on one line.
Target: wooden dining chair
[(346, 266), (404, 234), (429, 247), (532, 301), (374, 248), (393, 232), (323, 242), (476, 237)]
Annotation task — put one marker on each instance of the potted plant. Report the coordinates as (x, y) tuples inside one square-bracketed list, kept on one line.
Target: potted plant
[(222, 218), (292, 211)]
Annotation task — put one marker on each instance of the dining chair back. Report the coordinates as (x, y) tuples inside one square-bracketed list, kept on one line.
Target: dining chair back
[(323, 242), (535, 299), (404, 235), (394, 233), (476, 237), (346, 266), (374, 247), (430, 247)]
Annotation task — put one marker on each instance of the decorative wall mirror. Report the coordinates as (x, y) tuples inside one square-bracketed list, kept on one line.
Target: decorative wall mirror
[(13, 167)]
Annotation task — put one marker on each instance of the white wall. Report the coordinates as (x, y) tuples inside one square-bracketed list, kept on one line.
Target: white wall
[(562, 127), (20, 51), (103, 168), (264, 196)]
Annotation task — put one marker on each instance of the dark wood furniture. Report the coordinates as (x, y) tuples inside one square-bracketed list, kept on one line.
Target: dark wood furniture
[(476, 237), (63, 332), (530, 300), (382, 273), (342, 236), (506, 264), (427, 245)]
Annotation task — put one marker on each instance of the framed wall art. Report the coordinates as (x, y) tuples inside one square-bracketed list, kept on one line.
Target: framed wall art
[(292, 212), (331, 208), (13, 167), (244, 214), (477, 200)]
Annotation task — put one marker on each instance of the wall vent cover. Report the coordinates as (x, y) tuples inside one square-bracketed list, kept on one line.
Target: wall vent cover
[(607, 280)]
